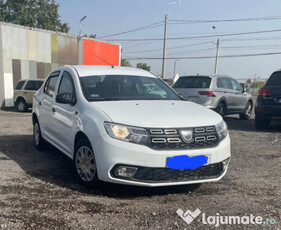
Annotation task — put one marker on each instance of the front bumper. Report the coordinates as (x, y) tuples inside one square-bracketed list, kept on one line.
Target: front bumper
[(152, 163)]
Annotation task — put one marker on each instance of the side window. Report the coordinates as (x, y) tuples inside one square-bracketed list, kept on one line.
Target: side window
[(51, 83), (224, 82), (33, 85), (20, 84), (219, 83), (66, 84), (39, 84), (235, 85)]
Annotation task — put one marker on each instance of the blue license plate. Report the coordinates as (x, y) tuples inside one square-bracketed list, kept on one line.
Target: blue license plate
[(279, 100), (186, 162)]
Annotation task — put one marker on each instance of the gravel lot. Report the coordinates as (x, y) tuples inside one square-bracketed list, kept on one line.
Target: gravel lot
[(37, 189)]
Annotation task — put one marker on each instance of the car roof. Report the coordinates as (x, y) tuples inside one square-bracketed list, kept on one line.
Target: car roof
[(208, 75), (90, 70), (31, 80)]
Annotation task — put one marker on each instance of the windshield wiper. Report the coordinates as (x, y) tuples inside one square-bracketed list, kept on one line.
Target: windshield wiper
[(102, 99)]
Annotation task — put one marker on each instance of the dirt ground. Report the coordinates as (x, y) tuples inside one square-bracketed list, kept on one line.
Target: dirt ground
[(37, 189)]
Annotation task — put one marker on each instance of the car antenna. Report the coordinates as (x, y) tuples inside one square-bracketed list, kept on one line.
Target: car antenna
[(112, 66)]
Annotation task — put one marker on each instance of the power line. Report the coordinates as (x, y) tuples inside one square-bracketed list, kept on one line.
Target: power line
[(192, 51), (196, 37), (176, 21), (175, 47), (157, 24), (206, 57), (251, 47)]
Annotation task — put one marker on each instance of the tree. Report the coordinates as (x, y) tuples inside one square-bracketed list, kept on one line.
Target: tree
[(143, 66), (41, 14), (125, 62)]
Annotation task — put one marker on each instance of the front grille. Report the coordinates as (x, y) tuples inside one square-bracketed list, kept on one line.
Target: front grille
[(161, 175), (203, 137)]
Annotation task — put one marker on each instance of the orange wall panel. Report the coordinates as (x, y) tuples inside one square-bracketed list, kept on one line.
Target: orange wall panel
[(100, 53)]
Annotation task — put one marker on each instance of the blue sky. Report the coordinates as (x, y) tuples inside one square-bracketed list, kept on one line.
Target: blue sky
[(106, 17)]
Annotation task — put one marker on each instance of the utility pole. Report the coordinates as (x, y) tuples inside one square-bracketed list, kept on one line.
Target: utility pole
[(80, 30), (217, 56), (80, 56), (175, 67), (164, 47)]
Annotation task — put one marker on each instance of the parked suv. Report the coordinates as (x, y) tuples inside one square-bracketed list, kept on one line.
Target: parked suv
[(23, 93), (268, 104), (124, 125), (220, 93)]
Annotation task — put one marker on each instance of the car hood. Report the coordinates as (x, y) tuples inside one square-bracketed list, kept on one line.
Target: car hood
[(159, 114)]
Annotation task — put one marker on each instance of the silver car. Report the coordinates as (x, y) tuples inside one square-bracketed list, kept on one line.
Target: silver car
[(218, 92)]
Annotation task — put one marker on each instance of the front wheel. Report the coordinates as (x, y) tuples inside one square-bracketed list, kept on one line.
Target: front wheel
[(247, 113), (85, 164)]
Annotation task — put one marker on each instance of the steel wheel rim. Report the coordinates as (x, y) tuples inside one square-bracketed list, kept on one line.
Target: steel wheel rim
[(36, 134), (85, 163), (21, 106), (249, 110)]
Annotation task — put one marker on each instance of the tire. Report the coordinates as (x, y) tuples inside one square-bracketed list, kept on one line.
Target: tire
[(247, 113), (221, 109), (261, 122), (38, 141), (85, 164), (21, 105)]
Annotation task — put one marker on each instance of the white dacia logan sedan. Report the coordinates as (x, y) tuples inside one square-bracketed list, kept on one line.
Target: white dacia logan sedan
[(124, 125)]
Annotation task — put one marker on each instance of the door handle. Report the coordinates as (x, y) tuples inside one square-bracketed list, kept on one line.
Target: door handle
[(53, 110), (24, 92), (40, 103)]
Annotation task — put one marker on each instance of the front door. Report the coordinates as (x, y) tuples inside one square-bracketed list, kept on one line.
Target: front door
[(65, 115)]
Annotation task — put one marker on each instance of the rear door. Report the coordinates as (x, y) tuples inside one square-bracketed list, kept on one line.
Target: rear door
[(239, 98), (225, 86), (46, 107), (30, 89)]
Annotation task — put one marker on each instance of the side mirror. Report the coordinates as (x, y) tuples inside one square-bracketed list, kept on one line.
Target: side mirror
[(66, 98), (182, 96)]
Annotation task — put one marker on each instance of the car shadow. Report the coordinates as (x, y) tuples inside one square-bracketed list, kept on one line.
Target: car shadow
[(14, 109), (234, 123), (54, 167)]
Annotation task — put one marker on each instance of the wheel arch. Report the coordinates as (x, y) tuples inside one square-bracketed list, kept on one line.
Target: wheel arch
[(251, 100), (34, 118), (223, 101), (80, 135), (20, 98)]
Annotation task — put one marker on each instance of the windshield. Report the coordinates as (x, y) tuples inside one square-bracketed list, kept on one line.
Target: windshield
[(275, 79), (193, 82), (124, 87)]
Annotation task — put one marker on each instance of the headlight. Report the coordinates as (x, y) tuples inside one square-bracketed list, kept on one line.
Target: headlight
[(126, 133), (222, 130)]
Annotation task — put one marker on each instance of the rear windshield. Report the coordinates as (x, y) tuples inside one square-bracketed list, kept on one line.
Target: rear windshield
[(20, 84), (275, 79), (193, 82)]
